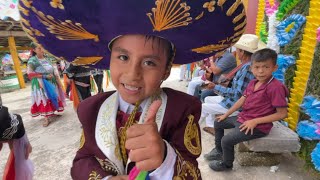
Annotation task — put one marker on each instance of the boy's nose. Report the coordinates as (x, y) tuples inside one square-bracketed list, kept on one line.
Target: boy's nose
[(134, 72)]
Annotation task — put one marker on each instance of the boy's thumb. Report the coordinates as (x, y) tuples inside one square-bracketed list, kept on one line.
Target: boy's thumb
[(153, 109)]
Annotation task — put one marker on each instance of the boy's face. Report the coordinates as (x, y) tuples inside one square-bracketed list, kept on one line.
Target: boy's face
[(263, 70), (138, 66)]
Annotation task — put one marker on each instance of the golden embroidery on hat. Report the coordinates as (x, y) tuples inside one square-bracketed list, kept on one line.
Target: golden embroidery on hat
[(26, 3), (239, 17), (209, 6), (229, 41), (233, 8), (86, 60), (169, 14), (23, 10), (241, 25), (185, 169), (57, 4), (221, 2), (65, 30), (94, 176), (191, 136), (199, 16)]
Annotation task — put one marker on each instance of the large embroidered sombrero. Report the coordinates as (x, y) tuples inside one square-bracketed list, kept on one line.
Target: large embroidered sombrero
[(80, 30)]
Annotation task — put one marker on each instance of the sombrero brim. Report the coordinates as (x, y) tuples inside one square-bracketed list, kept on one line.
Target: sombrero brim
[(80, 31)]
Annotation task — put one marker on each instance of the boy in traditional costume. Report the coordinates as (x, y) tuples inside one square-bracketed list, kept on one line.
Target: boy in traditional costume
[(140, 126)]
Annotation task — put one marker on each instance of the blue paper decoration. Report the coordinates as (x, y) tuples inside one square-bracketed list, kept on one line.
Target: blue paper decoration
[(285, 37), (283, 62), (311, 106), (307, 130), (315, 157)]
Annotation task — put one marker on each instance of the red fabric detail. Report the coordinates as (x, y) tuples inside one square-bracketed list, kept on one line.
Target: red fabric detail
[(32, 75), (122, 118), (233, 72), (9, 171), (45, 110)]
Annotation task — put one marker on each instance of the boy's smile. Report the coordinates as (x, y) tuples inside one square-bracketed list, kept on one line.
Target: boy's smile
[(138, 66)]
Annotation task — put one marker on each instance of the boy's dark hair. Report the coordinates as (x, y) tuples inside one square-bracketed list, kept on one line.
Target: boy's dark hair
[(169, 48), (265, 55)]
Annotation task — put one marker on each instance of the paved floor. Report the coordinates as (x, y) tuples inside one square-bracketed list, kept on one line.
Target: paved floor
[(54, 147)]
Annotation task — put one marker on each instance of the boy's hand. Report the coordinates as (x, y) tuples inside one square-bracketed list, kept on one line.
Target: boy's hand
[(221, 118), (119, 178), (248, 126), (145, 143)]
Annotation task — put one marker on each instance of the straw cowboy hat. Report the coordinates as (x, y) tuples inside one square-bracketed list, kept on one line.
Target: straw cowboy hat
[(80, 31), (250, 43)]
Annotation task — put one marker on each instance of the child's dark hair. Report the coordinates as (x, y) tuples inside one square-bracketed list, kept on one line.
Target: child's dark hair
[(169, 48), (265, 55)]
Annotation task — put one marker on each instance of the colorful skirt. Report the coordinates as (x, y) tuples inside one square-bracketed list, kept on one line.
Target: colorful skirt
[(47, 97)]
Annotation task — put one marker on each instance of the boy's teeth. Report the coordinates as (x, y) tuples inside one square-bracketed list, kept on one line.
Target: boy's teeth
[(130, 87)]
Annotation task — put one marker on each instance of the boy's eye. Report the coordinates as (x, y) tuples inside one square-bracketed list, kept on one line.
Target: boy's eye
[(123, 57), (149, 63)]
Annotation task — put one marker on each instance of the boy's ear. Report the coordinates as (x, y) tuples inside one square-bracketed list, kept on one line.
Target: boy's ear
[(275, 67), (167, 74)]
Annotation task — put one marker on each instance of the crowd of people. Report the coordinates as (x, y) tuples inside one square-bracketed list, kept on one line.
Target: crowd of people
[(249, 102)]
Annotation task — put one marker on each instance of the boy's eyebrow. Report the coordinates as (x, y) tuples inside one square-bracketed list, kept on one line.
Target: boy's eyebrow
[(121, 50)]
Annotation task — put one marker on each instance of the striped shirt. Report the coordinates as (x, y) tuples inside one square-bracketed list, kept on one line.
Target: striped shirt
[(239, 84)]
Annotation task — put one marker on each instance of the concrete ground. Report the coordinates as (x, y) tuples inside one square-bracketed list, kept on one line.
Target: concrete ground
[(55, 146)]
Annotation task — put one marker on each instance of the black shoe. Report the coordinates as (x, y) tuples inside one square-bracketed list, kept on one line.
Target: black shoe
[(219, 166), (214, 154)]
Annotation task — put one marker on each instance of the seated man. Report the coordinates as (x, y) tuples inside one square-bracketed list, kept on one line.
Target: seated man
[(214, 105), (263, 102), (224, 63)]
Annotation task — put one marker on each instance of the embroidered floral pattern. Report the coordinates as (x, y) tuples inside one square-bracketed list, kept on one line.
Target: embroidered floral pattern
[(57, 4), (94, 176), (209, 6), (185, 169)]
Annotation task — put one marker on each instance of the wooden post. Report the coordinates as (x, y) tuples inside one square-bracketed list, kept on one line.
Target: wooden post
[(16, 62)]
